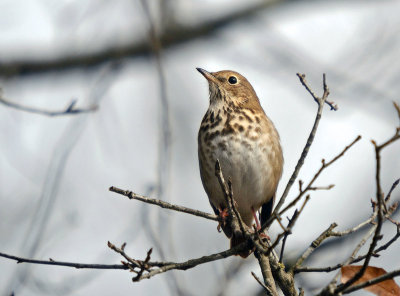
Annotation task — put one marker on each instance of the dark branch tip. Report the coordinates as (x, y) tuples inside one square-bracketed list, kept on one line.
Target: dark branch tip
[(71, 106)]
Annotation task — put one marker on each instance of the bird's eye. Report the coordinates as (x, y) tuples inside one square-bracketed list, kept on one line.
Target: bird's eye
[(232, 80)]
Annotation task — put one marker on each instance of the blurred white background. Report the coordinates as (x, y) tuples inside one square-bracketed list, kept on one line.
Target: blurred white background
[(55, 171)]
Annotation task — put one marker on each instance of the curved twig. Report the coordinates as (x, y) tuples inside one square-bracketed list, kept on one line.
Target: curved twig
[(163, 204)]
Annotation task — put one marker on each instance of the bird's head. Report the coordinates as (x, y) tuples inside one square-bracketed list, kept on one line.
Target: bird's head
[(230, 87)]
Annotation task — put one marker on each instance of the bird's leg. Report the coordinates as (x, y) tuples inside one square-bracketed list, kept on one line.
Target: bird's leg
[(258, 225), (223, 214), (256, 219)]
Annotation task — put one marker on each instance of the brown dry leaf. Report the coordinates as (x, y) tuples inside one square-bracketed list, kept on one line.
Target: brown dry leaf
[(385, 288)]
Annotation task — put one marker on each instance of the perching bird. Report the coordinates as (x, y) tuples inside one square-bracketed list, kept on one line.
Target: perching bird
[(236, 131)]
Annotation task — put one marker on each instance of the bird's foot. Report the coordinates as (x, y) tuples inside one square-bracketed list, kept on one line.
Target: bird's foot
[(262, 235), (223, 214)]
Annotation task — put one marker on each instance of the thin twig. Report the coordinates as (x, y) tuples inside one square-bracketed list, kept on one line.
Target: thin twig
[(62, 263), (362, 242), (397, 107), (132, 263), (315, 244), (163, 204), (374, 281), (290, 226), (315, 188), (240, 229), (158, 267), (332, 288), (381, 207), (355, 228), (324, 165), (358, 259), (318, 100), (194, 262), (387, 198), (235, 221), (321, 103), (69, 110), (143, 268), (267, 290), (287, 233), (121, 251)]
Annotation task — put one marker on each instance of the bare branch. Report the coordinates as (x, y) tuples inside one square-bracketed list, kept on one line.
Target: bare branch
[(333, 288), (374, 281), (394, 138), (350, 259), (263, 252), (324, 165), (362, 242), (286, 233), (291, 223), (132, 263), (236, 223), (143, 268), (321, 103), (358, 259), (272, 269), (269, 281), (267, 290), (284, 279), (62, 263), (69, 110), (303, 81), (355, 228), (315, 244), (152, 268), (315, 188), (163, 204), (397, 107), (303, 191), (193, 262), (387, 198), (381, 206)]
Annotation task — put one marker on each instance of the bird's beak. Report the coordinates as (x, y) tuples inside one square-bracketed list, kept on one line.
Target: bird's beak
[(209, 76)]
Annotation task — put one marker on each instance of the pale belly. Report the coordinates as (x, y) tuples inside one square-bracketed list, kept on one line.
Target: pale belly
[(248, 164)]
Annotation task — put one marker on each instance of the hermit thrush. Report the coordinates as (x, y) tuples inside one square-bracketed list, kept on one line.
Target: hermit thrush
[(236, 131)]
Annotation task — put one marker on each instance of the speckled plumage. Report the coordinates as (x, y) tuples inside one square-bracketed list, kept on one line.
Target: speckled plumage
[(236, 131)]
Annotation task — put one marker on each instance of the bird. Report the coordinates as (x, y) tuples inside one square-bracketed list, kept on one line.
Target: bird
[(236, 131)]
